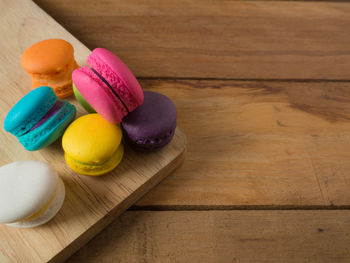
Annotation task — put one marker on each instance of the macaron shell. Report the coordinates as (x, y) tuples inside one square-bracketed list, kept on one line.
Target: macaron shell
[(98, 95), (61, 92), (92, 140), (150, 143), (29, 110), (151, 125), (48, 213), (47, 56), (82, 101), (64, 91), (122, 71), (156, 116), (118, 75), (95, 170), (50, 131), (25, 187), (60, 83)]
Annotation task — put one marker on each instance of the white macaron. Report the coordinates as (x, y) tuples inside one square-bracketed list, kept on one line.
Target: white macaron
[(31, 193)]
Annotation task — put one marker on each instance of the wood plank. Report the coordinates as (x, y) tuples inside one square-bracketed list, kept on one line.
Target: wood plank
[(222, 236), (91, 202), (216, 39), (258, 144)]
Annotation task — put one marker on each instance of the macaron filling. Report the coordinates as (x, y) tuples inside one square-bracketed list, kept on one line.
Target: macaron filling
[(42, 209), (115, 82), (46, 212), (96, 168), (53, 111), (44, 99), (111, 88), (86, 74), (62, 112), (100, 163)]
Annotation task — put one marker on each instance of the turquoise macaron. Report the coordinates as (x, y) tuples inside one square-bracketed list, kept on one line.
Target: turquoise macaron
[(39, 118)]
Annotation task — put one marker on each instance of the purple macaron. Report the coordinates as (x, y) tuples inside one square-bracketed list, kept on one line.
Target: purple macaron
[(152, 125)]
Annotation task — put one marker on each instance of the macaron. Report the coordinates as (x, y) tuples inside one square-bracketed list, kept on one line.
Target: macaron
[(31, 193), (92, 145), (108, 85), (82, 101), (152, 125), (39, 118), (51, 63)]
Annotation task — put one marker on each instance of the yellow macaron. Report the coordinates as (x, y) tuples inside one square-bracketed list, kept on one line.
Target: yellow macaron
[(92, 145)]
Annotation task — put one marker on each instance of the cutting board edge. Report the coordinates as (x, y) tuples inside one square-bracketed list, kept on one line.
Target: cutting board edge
[(96, 228)]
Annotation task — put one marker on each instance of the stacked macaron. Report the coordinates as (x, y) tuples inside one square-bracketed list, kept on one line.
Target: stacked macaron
[(51, 63), (39, 118), (92, 145), (152, 125), (30, 192), (108, 86)]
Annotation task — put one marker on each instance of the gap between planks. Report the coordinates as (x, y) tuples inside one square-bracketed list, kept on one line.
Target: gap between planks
[(324, 1), (244, 79), (235, 207)]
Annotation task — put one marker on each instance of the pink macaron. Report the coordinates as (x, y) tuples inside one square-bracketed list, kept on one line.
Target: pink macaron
[(108, 85)]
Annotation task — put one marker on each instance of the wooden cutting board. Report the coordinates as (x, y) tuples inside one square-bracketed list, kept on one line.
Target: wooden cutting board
[(91, 202)]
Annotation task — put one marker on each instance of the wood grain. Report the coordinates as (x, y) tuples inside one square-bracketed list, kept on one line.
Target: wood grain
[(258, 145), (215, 39), (91, 202), (252, 144), (222, 236)]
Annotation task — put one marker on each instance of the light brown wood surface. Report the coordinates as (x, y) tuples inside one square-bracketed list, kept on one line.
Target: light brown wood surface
[(91, 202), (222, 236), (258, 144), (216, 39)]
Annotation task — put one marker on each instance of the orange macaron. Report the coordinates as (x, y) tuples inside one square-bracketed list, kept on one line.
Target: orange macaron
[(51, 63)]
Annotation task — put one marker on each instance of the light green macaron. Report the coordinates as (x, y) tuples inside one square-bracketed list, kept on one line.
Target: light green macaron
[(82, 101)]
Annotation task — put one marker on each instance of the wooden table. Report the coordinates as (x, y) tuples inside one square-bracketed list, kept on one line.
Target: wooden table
[(263, 94)]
